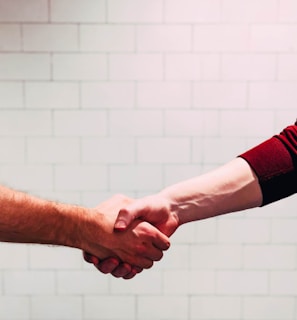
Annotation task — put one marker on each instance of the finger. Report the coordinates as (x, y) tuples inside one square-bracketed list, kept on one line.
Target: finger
[(108, 265), (87, 257), (123, 220), (135, 270), (154, 254), (122, 270), (130, 275), (161, 241), (142, 260)]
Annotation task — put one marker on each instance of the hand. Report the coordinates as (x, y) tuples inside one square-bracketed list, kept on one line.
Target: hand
[(155, 209), (113, 266), (138, 247)]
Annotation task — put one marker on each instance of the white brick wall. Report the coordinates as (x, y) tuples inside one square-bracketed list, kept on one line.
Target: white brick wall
[(105, 96)]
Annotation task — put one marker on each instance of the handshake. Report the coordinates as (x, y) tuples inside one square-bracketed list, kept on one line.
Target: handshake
[(122, 236), (133, 234)]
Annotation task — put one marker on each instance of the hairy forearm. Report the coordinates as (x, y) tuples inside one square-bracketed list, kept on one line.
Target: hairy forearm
[(229, 188), (28, 219)]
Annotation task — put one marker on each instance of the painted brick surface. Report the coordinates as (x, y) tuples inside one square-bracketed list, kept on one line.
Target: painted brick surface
[(128, 96)]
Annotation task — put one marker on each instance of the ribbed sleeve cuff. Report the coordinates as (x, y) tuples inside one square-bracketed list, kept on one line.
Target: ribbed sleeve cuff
[(273, 165)]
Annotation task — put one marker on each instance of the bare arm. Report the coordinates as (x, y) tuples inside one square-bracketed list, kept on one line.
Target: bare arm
[(229, 188), (28, 219)]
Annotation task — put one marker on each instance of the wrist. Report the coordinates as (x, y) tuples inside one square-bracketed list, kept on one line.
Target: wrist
[(71, 220)]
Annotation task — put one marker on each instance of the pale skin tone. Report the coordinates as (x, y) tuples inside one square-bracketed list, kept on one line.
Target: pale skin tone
[(28, 219), (229, 188)]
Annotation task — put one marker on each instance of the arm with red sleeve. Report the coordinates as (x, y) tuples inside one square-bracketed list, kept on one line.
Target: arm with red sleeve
[(275, 164), (264, 174)]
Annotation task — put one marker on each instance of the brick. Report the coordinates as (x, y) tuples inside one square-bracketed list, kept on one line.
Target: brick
[(78, 11), (162, 307), (226, 148), (269, 257), (283, 283), (25, 123), (29, 282), (107, 38), (149, 282), (189, 66), (140, 177), (273, 38), (282, 231), (164, 95), (54, 258), (205, 232), (164, 38), (108, 150), (176, 173), (79, 67), (105, 307), (254, 11), (163, 150), (126, 123), (284, 118), (271, 95), (215, 256), (191, 11), (53, 150), (135, 11), (221, 38), (268, 308), (15, 307), (50, 37), (287, 64), (211, 307), (108, 95), (243, 231), (11, 95), (18, 260), (54, 307), (24, 66), (27, 177), (177, 258), (80, 123), (92, 198), (184, 282), (184, 236), (12, 150), (242, 282), (187, 123), (51, 95), (80, 177), (23, 11), (81, 282), (220, 95), (243, 67), (10, 37), (135, 66), (288, 11), (241, 123)]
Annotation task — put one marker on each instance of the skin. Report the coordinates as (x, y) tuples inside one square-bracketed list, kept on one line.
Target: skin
[(28, 219), (229, 188)]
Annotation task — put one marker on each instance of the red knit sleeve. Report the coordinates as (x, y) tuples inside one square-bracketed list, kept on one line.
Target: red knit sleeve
[(275, 164)]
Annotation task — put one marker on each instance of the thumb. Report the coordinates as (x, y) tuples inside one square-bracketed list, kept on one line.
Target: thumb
[(123, 220), (128, 214)]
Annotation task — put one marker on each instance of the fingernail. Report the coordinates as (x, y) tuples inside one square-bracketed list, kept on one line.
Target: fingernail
[(120, 225)]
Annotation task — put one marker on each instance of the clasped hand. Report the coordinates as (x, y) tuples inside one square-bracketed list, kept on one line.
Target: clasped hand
[(136, 235)]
